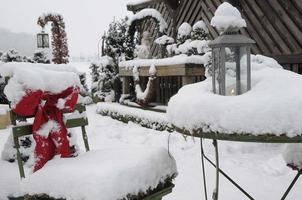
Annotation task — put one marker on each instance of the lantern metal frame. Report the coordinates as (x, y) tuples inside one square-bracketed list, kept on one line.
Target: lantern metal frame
[(239, 43), (43, 39)]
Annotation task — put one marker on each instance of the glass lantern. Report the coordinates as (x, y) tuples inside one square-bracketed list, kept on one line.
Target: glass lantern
[(42, 40), (231, 66)]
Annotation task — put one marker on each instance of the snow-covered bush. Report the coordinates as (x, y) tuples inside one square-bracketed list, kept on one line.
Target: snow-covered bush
[(40, 56), (103, 79), (11, 56), (184, 33), (117, 43), (59, 37), (190, 41), (164, 41), (200, 31)]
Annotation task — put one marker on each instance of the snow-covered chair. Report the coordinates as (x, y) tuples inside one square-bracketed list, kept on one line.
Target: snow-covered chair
[(135, 173)]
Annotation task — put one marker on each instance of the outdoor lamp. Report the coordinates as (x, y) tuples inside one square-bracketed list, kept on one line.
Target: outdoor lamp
[(231, 63), (42, 40)]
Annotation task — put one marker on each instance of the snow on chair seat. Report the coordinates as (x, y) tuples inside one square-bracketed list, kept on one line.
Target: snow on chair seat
[(126, 173), (104, 174)]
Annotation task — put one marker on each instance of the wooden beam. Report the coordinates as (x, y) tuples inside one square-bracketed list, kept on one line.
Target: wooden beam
[(167, 70), (288, 59)]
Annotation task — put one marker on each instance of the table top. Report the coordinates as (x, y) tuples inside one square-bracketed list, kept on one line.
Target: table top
[(241, 137)]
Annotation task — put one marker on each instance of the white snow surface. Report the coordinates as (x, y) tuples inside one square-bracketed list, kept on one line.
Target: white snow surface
[(259, 168), (179, 59), (8, 69), (150, 12), (227, 17), (37, 77), (111, 173), (272, 106)]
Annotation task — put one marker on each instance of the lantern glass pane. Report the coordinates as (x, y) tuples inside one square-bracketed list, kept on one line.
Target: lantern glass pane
[(243, 69), (230, 71), (214, 70), (45, 40), (39, 41)]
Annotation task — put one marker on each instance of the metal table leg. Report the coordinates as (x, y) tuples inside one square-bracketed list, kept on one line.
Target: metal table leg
[(215, 193)]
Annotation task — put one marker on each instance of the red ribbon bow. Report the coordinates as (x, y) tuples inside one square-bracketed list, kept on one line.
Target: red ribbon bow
[(49, 130)]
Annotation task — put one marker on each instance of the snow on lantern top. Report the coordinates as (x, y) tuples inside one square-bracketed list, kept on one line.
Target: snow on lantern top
[(227, 18)]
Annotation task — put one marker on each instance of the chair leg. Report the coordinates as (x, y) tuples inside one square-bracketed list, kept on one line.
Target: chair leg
[(291, 185)]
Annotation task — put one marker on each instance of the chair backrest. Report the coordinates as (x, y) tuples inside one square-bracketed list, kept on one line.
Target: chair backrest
[(26, 129)]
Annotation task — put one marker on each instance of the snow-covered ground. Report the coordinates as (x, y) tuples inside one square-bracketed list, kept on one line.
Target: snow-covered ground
[(258, 167)]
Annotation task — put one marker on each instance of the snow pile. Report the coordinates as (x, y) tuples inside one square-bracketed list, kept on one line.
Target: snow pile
[(150, 12), (107, 173), (179, 59), (272, 106), (50, 78), (227, 18)]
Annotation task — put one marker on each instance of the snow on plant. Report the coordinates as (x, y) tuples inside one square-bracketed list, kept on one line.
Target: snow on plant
[(200, 31), (103, 77), (184, 33), (227, 18), (59, 36), (40, 56), (164, 40), (11, 56), (191, 41), (118, 44)]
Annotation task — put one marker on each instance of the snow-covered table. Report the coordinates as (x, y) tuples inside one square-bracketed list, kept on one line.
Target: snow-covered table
[(269, 113)]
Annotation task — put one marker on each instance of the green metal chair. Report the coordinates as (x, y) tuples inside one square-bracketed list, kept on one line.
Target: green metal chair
[(25, 130)]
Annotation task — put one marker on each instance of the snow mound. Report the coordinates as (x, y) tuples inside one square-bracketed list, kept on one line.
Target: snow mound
[(273, 106), (150, 12), (200, 25), (227, 18), (110, 174), (51, 78), (185, 29)]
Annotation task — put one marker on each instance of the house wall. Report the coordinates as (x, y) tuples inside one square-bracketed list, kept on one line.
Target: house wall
[(275, 25)]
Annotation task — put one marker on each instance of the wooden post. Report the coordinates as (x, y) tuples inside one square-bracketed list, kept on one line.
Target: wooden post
[(126, 82)]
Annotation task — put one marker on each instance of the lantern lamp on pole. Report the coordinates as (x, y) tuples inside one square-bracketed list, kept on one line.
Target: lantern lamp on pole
[(42, 40), (231, 65)]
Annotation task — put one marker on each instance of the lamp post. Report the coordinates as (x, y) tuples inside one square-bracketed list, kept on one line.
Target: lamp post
[(42, 40), (231, 66)]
